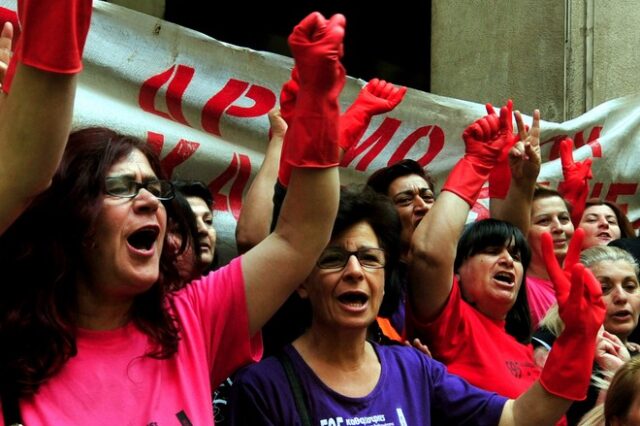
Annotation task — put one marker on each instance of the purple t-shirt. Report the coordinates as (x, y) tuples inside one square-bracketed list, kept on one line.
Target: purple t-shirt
[(413, 390)]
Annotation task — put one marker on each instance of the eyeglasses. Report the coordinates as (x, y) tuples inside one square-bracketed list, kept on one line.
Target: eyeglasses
[(126, 187), (337, 258)]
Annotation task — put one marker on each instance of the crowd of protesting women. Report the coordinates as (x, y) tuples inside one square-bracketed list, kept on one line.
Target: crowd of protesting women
[(373, 305)]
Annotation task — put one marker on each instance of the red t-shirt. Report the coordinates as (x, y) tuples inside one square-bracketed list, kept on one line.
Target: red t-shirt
[(477, 347)]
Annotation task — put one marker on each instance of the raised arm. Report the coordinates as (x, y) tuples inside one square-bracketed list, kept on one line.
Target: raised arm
[(276, 266), (567, 371), (35, 117), (376, 97), (523, 166), (254, 223), (434, 242)]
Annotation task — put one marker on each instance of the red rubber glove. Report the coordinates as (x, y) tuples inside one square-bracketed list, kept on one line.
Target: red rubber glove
[(377, 97), (485, 140), (288, 96), (312, 137), (575, 187), (52, 37), (7, 15), (567, 371), (500, 176)]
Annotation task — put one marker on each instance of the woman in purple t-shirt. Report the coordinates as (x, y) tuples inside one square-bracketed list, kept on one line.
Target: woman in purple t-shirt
[(340, 377)]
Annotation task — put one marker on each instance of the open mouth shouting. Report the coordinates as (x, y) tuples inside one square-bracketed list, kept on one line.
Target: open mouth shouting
[(354, 301), (142, 241), (505, 279)]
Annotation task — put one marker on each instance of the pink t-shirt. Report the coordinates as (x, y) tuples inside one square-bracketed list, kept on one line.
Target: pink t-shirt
[(110, 382), (476, 347), (540, 295)]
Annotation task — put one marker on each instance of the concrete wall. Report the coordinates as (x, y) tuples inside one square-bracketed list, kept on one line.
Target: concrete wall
[(563, 57), (150, 7), (616, 49)]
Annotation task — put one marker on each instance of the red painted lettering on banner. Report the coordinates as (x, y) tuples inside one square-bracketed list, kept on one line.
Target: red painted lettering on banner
[(263, 100), (597, 190), (156, 141), (178, 82), (239, 172), (436, 142), (178, 155), (578, 141), (376, 142)]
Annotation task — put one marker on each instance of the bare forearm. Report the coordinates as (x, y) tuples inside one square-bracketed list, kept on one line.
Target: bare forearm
[(536, 407), (516, 207), (35, 121), (279, 264), (257, 209), (433, 250)]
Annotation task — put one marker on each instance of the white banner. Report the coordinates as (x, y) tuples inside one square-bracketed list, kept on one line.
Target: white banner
[(203, 104)]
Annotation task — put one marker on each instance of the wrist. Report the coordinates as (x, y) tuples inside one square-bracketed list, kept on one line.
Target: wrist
[(466, 180)]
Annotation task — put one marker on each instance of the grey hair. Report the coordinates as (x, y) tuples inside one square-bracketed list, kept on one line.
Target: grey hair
[(597, 254), (589, 258)]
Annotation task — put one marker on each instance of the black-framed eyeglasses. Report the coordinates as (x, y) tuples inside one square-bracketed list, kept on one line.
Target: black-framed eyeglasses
[(126, 187), (337, 258)]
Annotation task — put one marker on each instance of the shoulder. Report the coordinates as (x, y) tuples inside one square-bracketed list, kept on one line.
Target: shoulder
[(267, 371), (408, 360), (226, 282)]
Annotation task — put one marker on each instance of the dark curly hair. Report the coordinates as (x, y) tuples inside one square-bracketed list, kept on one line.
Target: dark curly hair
[(357, 204), (382, 178), (41, 253)]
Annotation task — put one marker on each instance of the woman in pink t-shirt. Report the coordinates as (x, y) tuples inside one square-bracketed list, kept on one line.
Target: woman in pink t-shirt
[(549, 213), (89, 329)]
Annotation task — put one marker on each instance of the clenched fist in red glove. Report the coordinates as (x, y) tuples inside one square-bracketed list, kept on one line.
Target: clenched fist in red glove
[(377, 97), (312, 137), (576, 174), (486, 141), (316, 45)]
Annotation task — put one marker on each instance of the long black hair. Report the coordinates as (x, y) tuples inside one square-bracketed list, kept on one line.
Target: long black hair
[(497, 233)]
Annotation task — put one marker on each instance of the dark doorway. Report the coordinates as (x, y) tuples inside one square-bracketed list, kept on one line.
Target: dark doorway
[(391, 42)]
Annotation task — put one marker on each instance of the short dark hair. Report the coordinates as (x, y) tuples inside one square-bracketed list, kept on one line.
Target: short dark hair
[(382, 178), (194, 188), (493, 232), (357, 204), (362, 204)]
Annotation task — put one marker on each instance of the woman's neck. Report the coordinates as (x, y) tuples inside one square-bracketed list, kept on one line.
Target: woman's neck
[(343, 361), (537, 269), (95, 312), (343, 349)]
